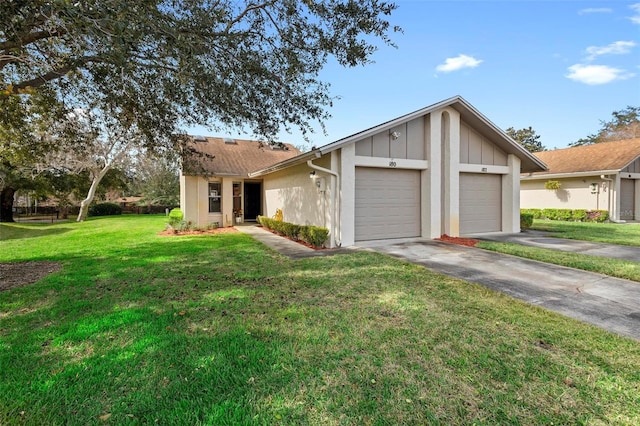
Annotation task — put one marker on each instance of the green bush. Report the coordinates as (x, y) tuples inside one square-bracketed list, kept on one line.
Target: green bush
[(597, 216), (575, 215), (314, 235), (526, 220), (175, 217), (537, 213), (578, 215), (105, 209)]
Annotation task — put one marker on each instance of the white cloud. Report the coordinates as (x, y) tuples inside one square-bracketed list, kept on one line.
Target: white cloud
[(594, 10), (615, 48), (458, 63), (596, 74), (635, 18)]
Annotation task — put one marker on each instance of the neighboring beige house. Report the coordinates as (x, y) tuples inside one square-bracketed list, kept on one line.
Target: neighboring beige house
[(215, 186), (444, 169), (603, 176)]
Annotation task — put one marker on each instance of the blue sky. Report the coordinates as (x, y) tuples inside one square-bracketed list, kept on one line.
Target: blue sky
[(557, 66)]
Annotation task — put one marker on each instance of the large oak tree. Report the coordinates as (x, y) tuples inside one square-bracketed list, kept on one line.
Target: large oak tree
[(166, 64)]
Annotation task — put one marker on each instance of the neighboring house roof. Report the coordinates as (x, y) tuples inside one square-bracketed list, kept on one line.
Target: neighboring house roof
[(601, 158), (468, 113), (211, 156)]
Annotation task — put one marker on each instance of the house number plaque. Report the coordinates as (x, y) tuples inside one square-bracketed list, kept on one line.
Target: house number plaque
[(392, 163)]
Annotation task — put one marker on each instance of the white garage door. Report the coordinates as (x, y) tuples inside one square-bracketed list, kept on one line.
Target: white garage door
[(627, 199), (387, 203), (480, 203)]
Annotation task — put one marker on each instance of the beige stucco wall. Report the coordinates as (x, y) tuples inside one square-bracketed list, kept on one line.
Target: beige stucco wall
[(194, 200), (297, 195), (574, 193)]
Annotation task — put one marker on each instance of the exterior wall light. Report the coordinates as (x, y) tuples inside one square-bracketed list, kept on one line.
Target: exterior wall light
[(312, 174), (395, 135)]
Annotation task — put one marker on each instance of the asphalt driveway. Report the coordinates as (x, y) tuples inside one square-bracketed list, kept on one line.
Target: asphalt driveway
[(609, 303)]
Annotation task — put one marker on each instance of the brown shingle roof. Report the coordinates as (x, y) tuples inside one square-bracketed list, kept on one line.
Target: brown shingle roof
[(233, 159), (597, 157)]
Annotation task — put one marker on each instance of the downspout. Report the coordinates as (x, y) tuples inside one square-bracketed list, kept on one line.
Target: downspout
[(333, 242), (603, 177)]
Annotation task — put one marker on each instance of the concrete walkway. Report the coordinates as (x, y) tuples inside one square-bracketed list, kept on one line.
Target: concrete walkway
[(542, 240), (283, 245), (609, 303)]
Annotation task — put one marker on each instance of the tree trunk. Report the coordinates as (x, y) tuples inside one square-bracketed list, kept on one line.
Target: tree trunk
[(84, 205), (6, 204)]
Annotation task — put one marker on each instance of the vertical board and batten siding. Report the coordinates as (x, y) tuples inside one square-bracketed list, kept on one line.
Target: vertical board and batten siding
[(476, 149), (480, 203), (387, 203), (633, 167), (408, 145), (627, 199)]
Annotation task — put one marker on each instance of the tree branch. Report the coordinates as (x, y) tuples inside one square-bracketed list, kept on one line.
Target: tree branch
[(30, 38)]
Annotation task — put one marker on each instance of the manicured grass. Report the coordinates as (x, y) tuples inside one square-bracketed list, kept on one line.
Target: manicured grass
[(613, 233), (613, 267), (138, 328)]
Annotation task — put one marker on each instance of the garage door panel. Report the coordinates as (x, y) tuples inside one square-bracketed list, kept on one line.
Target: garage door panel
[(387, 203), (480, 203), (627, 199)]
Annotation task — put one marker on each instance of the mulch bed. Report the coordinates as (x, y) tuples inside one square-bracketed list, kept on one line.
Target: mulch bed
[(17, 274), (173, 233), (469, 242)]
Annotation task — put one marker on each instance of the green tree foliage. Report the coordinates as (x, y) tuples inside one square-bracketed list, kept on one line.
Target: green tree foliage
[(157, 179), (625, 124), (243, 64), (24, 121), (527, 138), (157, 66)]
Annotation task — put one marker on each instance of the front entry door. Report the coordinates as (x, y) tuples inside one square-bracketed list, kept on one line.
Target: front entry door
[(252, 200)]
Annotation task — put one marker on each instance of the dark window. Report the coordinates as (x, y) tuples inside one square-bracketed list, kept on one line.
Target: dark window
[(215, 197)]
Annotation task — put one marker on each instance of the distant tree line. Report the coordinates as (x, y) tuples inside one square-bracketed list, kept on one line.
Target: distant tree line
[(624, 124)]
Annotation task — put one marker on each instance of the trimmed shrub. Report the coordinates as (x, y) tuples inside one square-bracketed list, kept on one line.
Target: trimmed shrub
[(526, 220), (105, 209), (577, 215), (314, 235), (537, 213), (597, 216), (175, 217)]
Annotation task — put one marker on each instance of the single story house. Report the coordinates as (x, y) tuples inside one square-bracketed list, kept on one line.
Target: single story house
[(443, 169), (215, 186), (603, 176)]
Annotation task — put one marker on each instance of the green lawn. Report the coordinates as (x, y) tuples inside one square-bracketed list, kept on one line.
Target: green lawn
[(624, 234), (613, 233), (139, 328)]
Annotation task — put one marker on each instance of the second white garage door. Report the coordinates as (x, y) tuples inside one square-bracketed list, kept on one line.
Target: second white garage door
[(387, 203), (480, 203), (627, 199)]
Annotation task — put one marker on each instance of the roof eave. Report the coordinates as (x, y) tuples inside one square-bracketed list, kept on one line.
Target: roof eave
[(545, 176), (302, 158)]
